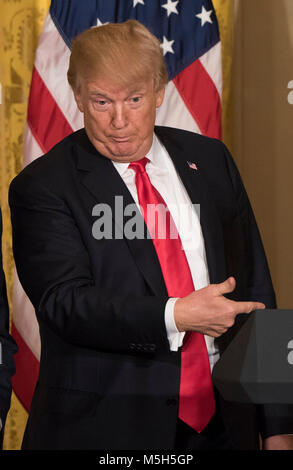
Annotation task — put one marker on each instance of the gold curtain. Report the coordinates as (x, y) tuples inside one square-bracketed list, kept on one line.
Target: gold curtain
[(20, 26), (225, 14)]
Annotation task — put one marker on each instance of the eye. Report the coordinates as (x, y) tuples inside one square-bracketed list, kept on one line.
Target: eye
[(100, 104), (135, 100)]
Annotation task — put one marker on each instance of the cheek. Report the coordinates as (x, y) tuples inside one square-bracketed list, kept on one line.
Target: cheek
[(147, 122), (146, 119), (99, 123)]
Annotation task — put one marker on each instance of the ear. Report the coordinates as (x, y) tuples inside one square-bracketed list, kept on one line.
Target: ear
[(160, 97), (78, 100)]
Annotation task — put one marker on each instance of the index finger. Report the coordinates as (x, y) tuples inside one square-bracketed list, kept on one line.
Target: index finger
[(248, 307)]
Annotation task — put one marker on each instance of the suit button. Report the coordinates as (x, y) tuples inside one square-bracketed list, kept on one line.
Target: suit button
[(171, 402), (149, 347)]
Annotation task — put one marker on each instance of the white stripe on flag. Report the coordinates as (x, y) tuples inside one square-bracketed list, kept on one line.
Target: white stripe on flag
[(32, 150), (174, 113), (52, 65), (212, 62)]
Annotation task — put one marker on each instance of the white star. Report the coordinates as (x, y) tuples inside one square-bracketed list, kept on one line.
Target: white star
[(167, 46), (205, 16), (135, 2), (99, 23), (171, 7)]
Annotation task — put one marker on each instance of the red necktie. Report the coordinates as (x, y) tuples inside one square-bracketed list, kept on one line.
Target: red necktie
[(196, 397)]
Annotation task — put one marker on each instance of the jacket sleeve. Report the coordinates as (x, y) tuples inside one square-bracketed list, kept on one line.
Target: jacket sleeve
[(258, 280), (273, 418), (54, 269)]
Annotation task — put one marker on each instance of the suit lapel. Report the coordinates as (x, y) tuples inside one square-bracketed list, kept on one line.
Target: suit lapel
[(102, 180), (199, 193)]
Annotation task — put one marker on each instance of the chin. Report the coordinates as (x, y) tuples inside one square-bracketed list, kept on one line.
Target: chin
[(124, 152)]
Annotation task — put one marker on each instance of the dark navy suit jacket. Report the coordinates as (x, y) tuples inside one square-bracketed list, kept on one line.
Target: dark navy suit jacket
[(107, 377)]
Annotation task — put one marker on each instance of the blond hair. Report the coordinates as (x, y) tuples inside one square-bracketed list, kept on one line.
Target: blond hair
[(125, 53)]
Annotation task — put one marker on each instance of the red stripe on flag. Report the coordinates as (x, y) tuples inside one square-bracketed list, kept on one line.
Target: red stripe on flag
[(50, 126), (201, 97), (27, 371)]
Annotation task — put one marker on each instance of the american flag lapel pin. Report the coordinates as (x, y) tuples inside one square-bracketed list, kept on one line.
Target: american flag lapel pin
[(192, 165)]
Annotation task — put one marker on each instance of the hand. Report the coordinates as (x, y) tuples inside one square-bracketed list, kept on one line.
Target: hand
[(280, 442), (207, 311)]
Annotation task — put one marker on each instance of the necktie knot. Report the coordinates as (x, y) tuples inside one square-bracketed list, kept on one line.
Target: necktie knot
[(139, 165)]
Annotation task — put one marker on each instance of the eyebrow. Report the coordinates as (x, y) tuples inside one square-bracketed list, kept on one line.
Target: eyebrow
[(104, 95), (98, 93), (137, 90)]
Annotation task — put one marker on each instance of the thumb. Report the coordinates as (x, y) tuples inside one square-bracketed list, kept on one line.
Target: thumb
[(227, 286)]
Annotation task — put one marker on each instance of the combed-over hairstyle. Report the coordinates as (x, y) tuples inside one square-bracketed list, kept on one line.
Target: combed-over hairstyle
[(125, 53)]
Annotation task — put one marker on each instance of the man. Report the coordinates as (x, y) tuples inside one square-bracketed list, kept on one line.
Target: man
[(130, 322), (7, 350)]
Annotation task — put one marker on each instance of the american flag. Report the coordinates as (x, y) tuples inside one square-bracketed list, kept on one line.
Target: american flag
[(189, 36), (192, 165)]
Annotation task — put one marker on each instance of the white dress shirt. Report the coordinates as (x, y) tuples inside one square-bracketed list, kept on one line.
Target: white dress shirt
[(165, 179)]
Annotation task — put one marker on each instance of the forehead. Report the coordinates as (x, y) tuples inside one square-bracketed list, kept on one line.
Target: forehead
[(106, 87)]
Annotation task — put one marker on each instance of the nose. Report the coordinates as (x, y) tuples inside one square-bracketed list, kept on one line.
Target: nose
[(119, 116)]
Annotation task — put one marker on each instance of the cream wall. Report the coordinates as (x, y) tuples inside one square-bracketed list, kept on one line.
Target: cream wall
[(263, 126)]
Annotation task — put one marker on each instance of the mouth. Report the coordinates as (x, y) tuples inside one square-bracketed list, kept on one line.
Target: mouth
[(121, 139)]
